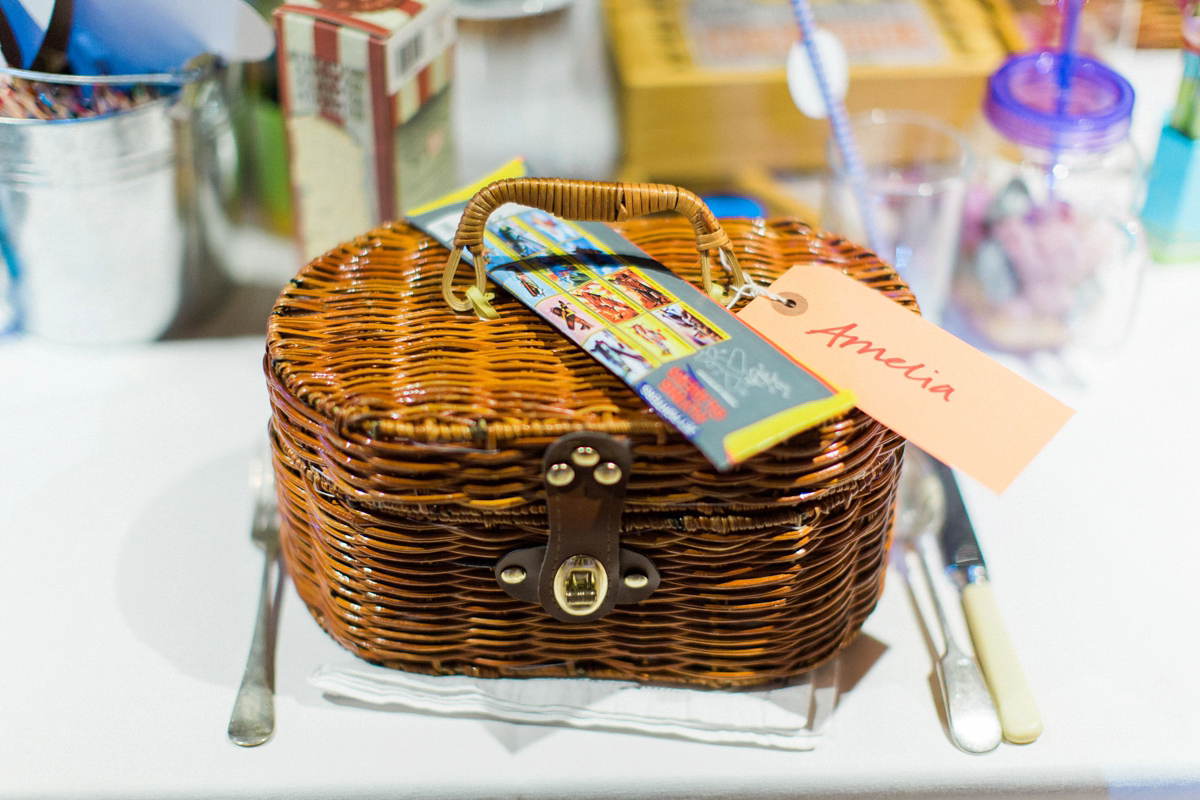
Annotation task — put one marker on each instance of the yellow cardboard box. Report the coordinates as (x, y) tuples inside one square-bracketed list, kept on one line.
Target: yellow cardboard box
[(703, 94)]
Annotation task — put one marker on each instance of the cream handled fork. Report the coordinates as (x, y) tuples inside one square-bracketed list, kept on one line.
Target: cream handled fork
[(253, 719)]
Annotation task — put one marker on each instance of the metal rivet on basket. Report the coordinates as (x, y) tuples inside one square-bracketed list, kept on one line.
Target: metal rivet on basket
[(585, 456), (607, 473), (513, 575), (560, 475), (635, 580)]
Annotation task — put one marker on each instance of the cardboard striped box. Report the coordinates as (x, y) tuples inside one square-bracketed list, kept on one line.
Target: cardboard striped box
[(363, 84)]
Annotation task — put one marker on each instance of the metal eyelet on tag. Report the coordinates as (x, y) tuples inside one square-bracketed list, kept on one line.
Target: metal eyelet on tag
[(789, 304)]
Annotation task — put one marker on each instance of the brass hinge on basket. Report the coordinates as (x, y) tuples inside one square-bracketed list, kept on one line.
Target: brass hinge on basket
[(582, 572)]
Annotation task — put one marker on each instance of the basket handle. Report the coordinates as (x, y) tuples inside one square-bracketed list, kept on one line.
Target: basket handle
[(584, 201)]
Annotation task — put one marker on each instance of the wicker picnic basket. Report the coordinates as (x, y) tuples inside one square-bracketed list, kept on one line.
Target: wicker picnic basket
[(411, 442)]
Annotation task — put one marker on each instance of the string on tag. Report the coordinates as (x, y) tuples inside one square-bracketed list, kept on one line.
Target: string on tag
[(750, 290)]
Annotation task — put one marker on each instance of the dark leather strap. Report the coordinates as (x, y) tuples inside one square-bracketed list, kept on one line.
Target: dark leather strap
[(52, 55), (583, 571), (9, 45), (585, 514)]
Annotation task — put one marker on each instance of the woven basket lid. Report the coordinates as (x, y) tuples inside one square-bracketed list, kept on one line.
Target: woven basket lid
[(368, 363)]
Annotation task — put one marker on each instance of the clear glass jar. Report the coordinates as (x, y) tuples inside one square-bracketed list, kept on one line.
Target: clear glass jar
[(1052, 252)]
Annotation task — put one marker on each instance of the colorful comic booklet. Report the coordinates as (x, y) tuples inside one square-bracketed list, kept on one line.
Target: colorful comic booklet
[(725, 388)]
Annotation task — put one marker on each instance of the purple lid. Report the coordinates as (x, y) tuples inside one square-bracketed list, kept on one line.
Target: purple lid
[(1025, 104)]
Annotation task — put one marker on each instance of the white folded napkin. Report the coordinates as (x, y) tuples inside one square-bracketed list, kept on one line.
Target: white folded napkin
[(787, 719)]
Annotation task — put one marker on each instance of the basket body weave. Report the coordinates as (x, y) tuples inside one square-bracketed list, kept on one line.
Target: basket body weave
[(408, 442)]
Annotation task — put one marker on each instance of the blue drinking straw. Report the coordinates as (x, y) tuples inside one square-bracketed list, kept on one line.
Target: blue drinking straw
[(843, 135), (1068, 35)]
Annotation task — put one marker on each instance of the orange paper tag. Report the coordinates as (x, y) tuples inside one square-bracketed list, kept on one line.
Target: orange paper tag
[(945, 396)]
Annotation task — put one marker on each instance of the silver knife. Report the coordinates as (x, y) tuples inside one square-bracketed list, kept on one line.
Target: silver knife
[(1019, 717)]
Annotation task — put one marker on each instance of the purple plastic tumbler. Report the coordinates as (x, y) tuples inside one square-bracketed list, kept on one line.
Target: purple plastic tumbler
[(1027, 104), (1052, 252)]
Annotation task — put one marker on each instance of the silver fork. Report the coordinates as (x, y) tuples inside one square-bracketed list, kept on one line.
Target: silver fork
[(253, 719)]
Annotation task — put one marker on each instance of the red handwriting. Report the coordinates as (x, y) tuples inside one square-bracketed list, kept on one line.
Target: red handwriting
[(842, 337), (685, 392)]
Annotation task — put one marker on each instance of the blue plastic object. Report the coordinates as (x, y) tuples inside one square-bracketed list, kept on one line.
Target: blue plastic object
[(27, 32), (129, 37), (734, 205), (1172, 211)]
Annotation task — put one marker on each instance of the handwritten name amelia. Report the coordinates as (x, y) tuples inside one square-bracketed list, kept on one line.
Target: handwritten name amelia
[(844, 339)]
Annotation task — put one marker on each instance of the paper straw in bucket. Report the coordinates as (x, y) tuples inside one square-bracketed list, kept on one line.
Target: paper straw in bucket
[(843, 135)]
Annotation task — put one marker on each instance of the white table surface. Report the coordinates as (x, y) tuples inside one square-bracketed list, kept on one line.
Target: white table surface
[(129, 587)]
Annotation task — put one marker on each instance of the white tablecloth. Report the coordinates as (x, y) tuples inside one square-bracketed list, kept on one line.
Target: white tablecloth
[(129, 586)]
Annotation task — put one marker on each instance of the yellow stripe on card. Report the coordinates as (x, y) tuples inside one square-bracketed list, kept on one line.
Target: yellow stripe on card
[(494, 242), (766, 433), (536, 235), (513, 169)]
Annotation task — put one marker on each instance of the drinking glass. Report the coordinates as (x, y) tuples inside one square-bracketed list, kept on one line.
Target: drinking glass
[(917, 169)]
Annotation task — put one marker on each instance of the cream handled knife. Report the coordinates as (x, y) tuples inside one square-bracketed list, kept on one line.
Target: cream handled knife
[(1018, 715)]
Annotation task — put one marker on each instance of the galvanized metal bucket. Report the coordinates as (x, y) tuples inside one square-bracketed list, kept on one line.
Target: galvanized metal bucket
[(115, 227)]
